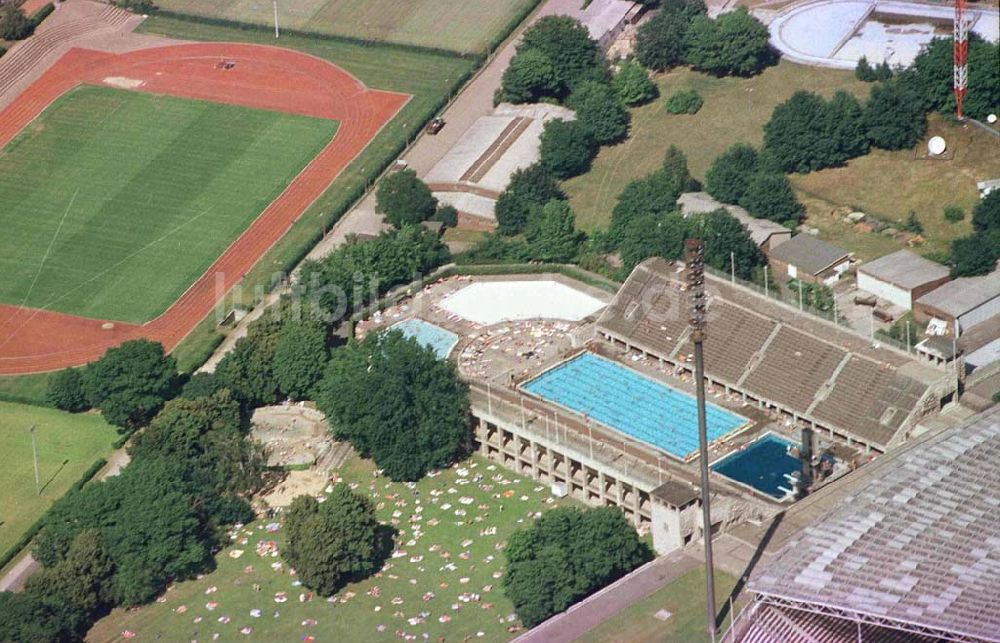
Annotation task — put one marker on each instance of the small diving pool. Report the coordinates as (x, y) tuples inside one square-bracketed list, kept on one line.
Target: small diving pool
[(763, 465), (629, 402), (438, 339)]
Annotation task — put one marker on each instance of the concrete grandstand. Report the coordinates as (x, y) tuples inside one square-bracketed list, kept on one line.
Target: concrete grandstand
[(906, 550), (477, 169), (769, 353)]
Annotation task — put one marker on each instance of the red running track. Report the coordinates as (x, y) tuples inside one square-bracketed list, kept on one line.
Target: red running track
[(34, 340)]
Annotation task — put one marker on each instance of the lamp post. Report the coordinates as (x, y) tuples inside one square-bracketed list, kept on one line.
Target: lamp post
[(695, 255)]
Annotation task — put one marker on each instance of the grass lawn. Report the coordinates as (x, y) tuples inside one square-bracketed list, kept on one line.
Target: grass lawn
[(67, 446), (468, 27), (684, 598), (116, 201), (27, 389), (455, 554), (428, 77), (735, 110), (889, 185)]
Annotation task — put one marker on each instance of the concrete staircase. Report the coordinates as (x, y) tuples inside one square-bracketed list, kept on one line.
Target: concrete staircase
[(23, 57)]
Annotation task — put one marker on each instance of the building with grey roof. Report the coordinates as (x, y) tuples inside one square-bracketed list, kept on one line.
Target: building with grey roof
[(961, 304), (911, 552), (901, 278), (806, 258), (765, 233)]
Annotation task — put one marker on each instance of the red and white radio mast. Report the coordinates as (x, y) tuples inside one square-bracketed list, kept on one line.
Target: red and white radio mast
[(961, 46)]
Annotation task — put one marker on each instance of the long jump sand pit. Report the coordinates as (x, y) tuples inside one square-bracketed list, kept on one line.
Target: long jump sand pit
[(259, 77), (492, 302)]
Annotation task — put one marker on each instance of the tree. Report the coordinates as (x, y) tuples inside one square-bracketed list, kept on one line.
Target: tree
[(735, 43), (248, 369), (528, 187), (336, 542), (769, 195), (953, 214), (66, 392), (529, 78), (660, 42), (726, 243), (863, 71), (203, 385), (567, 45), (207, 436), (846, 128), (300, 357), (77, 589), (651, 235), (14, 25), (655, 194), (130, 383), (567, 148), (728, 178), (632, 84), (684, 102), (23, 617), (986, 214), (397, 404), (495, 248), (403, 198), (552, 236), (150, 526), (565, 556), (975, 254), (446, 214), (599, 110), (893, 116), (675, 167)]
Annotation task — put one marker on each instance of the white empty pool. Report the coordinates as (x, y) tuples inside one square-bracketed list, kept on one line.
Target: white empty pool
[(492, 302)]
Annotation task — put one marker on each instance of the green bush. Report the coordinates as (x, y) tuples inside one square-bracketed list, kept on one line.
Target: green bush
[(42, 14), (954, 213), (684, 102)]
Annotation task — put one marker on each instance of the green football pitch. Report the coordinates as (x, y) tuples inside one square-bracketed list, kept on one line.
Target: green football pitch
[(67, 446), (114, 202)]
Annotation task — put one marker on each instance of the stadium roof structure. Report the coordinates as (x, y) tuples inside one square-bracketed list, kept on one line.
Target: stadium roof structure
[(904, 269), (958, 297), (807, 367), (809, 253), (913, 544)]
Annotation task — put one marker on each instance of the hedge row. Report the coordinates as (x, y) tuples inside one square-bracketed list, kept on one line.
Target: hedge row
[(33, 530), (42, 14)]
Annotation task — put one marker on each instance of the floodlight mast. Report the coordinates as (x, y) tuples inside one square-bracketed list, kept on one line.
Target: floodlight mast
[(695, 273), (961, 56)]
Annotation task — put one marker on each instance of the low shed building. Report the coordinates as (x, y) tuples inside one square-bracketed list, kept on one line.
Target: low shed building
[(901, 278), (959, 305), (806, 258), (765, 233)]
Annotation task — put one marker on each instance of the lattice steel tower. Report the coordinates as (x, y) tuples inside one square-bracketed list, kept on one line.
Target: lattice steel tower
[(961, 45)]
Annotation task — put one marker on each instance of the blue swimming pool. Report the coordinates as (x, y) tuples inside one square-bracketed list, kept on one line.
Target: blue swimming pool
[(438, 339), (762, 465), (634, 404)]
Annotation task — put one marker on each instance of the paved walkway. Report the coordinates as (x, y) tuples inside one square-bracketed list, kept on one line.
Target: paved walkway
[(597, 608)]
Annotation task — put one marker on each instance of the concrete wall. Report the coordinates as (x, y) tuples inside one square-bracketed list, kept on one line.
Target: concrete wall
[(884, 290)]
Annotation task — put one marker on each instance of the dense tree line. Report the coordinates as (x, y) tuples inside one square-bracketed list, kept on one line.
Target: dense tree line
[(565, 556), (120, 542), (733, 44)]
